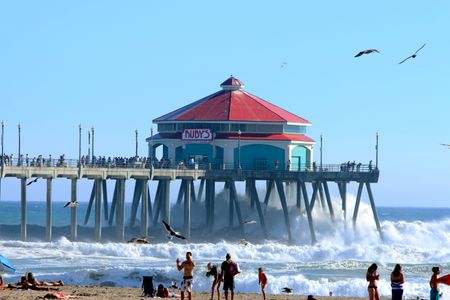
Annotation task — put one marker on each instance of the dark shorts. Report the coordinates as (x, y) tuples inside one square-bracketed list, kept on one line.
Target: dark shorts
[(228, 284)]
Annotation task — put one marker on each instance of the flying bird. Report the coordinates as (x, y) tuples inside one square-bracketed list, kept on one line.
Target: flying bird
[(446, 145), (249, 222), (283, 64), (368, 51), (32, 181), (71, 203), (287, 290), (412, 56), (172, 232)]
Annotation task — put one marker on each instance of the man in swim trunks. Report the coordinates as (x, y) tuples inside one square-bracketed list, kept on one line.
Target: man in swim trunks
[(188, 280), (229, 270)]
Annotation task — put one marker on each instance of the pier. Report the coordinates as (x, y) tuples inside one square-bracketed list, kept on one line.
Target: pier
[(226, 137), (153, 211)]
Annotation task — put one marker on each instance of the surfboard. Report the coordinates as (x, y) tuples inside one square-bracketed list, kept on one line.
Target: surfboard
[(444, 279)]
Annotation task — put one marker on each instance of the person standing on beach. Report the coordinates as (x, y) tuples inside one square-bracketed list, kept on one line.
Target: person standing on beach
[(188, 279), (434, 285), (229, 270), (372, 277), (262, 281), (397, 280), (215, 273)]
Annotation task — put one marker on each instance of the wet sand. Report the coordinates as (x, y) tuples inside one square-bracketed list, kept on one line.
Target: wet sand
[(98, 292)]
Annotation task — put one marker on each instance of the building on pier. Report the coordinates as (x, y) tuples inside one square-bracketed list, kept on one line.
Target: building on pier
[(233, 128)]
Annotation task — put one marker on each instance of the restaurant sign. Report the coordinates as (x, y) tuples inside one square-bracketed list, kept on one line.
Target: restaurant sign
[(197, 135)]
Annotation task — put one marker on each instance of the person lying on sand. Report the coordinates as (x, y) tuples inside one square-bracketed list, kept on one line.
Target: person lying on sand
[(3, 285), (30, 282), (163, 292)]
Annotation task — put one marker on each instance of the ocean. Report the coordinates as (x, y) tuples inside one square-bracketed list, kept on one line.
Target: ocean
[(417, 238)]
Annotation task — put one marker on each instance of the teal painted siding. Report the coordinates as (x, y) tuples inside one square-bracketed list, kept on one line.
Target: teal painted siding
[(260, 157), (301, 158), (184, 153)]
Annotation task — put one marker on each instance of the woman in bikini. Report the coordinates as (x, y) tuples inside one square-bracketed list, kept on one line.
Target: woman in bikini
[(372, 277), (397, 280)]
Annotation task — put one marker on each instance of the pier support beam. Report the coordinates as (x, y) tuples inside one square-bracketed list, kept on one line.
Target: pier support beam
[(200, 190), (374, 209), (255, 200), (23, 203), (282, 195), (308, 213), (187, 208), (166, 200), (270, 184), (134, 205), (120, 209), (73, 211), (328, 197), (234, 198), (157, 206), (209, 203), (48, 227), (91, 202), (144, 208), (299, 195), (315, 185), (98, 210), (358, 200)]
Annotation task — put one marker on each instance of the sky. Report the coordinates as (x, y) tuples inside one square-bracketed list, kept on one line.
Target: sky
[(117, 65)]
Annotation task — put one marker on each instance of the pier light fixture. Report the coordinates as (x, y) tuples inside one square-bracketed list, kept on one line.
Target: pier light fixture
[(79, 144), (151, 147), (92, 129), (321, 144), (3, 133), (19, 153), (239, 148), (136, 132)]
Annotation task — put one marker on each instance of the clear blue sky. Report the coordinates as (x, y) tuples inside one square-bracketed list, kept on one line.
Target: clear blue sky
[(116, 65)]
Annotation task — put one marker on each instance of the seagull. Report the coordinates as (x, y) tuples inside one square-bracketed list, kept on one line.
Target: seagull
[(446, 145), (412, 56), (32, 181), (287, 290), (283, 64), (71, 203), (368, 51), (172, 232), (249, 222)]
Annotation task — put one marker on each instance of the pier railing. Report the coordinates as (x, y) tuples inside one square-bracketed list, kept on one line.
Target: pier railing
[(144, 163)]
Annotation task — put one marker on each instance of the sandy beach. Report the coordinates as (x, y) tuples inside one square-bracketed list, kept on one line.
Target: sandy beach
[(97, 292)]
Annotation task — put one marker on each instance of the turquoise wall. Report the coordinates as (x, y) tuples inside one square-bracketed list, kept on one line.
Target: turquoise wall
[(300, 154), (260, 157), (189, 150)]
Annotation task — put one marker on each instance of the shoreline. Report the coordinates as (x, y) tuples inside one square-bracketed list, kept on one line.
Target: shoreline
[(110, 293)]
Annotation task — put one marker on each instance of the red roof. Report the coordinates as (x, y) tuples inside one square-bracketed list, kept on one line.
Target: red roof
[(246, 136), (232, 104)]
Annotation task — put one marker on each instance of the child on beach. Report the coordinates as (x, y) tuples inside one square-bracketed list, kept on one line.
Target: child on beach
[(372, 277), (262, 281), (215, 273)]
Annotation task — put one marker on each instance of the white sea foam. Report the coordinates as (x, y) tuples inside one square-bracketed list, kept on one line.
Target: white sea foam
[(337, 263)]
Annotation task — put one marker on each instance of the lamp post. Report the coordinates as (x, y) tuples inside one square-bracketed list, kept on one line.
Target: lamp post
[(18, 158), (321, 144), (151, 147), (376, 152), (3, 152), (79, 144), (89, 143), (136, 132), (239, 148), (92, 141)]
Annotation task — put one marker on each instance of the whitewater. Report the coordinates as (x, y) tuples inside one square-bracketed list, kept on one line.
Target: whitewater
[(414, 237)]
